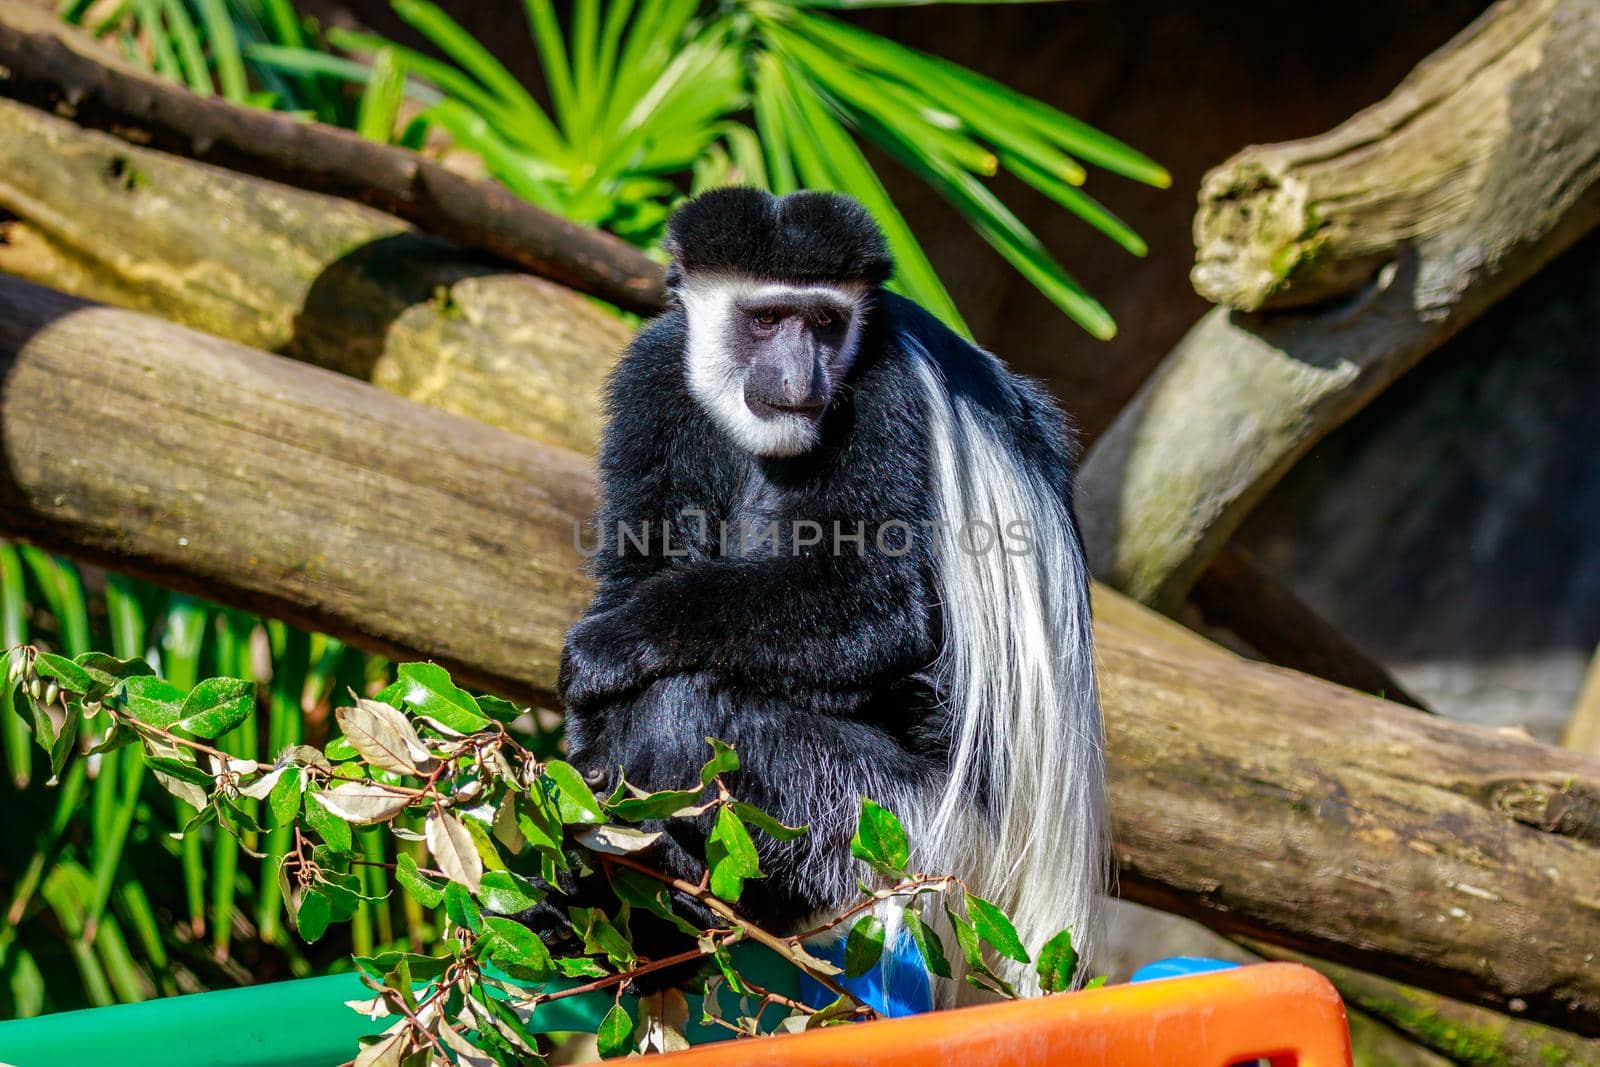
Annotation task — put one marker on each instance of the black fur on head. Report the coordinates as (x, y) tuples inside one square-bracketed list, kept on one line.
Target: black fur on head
[(806, 236)]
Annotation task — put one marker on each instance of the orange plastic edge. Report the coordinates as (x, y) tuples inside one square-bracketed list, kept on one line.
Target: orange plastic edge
[(1281, 1012)]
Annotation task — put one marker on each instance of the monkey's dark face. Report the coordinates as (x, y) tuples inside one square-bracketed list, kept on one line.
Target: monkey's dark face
[(766, 358)]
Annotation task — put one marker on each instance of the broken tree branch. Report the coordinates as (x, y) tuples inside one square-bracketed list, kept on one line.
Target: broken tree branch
[(1256, 799), (53, 66), (1243, 396)]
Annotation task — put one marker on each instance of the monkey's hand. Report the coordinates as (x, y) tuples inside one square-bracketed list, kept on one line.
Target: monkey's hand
[(607, 655)]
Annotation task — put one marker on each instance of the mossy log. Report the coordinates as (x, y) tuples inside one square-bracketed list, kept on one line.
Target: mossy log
[(1258, 800), (1467, 1036), (314, 277), (1492, 146), (57, 67)]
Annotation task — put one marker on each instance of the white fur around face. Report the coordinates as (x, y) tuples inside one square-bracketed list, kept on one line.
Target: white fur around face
[(716, 378)]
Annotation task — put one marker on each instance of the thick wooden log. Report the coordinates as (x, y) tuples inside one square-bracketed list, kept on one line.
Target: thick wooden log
[(1243, 396), (1467, 1035), (315, 277), (1292, 224), (287, 489), (54, 66), (1256, 799)]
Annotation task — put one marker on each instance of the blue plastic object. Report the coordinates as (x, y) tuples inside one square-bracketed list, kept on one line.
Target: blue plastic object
[(898, 985), (1179, 967)]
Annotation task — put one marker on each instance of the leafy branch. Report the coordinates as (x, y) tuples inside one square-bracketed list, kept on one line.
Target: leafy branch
[(442, 770)]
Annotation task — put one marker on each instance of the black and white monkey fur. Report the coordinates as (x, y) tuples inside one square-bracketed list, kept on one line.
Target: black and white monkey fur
[(940, 664)]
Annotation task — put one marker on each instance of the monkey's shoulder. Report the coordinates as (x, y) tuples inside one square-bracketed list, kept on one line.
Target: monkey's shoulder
[(650, 372)]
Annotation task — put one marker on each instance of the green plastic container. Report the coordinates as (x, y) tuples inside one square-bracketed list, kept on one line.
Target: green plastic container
[(303, 1023)]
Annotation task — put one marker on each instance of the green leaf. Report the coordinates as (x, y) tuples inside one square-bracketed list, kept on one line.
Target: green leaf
[(580, 967), (341, 749), (880, 840), (153, 701), (928, 943), (502, 711), (728, 973), (864, 945), (574, 799), (334, 831), (224, 49), (731, 855), (179, 769), (518, 951), (1096, 982), (724, 760), (995, 927), (1058, 962), (654, 805), (216, 706), (640, 891), (615, 1031), (461, 908), (539, 819), (107, 671), (71, 677), (982, 976), (1079, 203), (828, 158), (421, 968), (431, 692), (600, 934), (422, 889), (284, 801), (312, 917), (61, 747), (508, 893), (766, 823), (379, 106), (483, 841), (454, 41)]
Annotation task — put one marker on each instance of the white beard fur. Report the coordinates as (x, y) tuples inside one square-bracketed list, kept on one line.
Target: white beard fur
[(716, 379)]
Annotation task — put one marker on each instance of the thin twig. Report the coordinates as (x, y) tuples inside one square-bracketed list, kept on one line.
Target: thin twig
[(780, 945)]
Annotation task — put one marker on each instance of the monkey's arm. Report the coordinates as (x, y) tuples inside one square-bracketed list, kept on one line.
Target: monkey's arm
[(802, 765), (822, 619)]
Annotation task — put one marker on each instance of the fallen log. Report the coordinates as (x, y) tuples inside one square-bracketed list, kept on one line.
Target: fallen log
[(1494, 141), (56, 67), (1468, 1036), (314, 277), (288, 490), (1258, 800)]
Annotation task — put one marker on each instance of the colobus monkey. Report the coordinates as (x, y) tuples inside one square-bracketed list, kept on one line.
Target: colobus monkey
[(840, 538)]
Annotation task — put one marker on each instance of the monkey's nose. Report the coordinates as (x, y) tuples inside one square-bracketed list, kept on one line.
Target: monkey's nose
[(771, 390)]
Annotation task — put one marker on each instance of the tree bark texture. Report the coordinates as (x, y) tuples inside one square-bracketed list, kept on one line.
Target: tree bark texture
[(310, 276), (1245, 395)]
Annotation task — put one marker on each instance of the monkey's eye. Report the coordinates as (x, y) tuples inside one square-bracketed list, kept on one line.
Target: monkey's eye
[(765, 319), (824, 318)]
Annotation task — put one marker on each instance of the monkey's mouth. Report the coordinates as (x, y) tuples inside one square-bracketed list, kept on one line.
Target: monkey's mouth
[(810, 409)]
